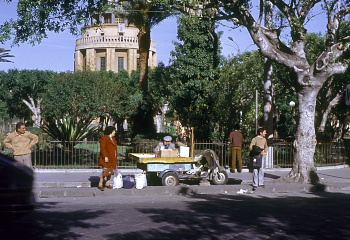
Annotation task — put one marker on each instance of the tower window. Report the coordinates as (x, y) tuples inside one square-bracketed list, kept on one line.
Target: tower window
[(119, 20), (107, 18), (102, 63), (120, 64)]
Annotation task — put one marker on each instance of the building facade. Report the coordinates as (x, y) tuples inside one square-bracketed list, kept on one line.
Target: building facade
[(111, 45)]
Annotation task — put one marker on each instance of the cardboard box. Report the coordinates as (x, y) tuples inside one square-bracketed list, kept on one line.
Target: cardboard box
[(169, 153)]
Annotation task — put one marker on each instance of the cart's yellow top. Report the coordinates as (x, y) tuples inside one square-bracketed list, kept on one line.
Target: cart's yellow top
[(150, 158)]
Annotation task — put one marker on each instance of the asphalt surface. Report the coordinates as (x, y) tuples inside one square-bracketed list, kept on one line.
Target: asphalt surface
[(83, 183)]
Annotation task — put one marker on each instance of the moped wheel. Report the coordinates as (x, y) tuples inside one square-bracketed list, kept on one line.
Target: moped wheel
[(220, 178), (170, 179)]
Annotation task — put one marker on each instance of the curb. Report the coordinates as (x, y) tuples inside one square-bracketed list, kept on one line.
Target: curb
[(136, 170), (186, 190)]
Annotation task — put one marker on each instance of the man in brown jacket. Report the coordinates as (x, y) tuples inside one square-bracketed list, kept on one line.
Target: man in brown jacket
[(236, 138)]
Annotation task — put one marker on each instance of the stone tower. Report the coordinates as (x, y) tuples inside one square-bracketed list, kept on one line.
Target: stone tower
[(111, 45)]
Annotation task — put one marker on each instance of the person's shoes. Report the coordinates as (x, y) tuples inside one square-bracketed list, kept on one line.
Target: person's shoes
[(109, 187), (232, 171), (239, 171), (263, 186), (254, 188), (101, 188)]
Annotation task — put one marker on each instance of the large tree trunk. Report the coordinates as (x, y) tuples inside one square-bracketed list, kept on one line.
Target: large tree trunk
[(305, 141), (268, 81), (268, 99), (144, 46)]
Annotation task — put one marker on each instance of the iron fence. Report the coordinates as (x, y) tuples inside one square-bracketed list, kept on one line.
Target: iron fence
[(85, 154)]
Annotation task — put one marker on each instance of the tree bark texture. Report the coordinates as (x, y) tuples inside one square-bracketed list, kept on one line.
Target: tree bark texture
[(144, 46), (305, 140), (268, 99), (36, 110)]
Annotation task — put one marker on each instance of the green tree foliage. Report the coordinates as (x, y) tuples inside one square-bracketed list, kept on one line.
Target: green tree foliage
[(35, 18), (195, 74), (3, 110), (240, 77), (285, 121), (22, 90), (87, 95)]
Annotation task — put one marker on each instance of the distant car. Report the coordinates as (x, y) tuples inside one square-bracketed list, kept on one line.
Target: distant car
[(16, 188)]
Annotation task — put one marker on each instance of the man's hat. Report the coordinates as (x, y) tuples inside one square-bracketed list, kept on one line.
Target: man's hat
[(167, 138)]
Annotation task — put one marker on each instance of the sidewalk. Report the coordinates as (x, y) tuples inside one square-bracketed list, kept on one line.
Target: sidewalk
[(83, 183)]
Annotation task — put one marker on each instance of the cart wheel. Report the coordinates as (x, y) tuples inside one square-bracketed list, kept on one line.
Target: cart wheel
[(220, 178), (170, 179)]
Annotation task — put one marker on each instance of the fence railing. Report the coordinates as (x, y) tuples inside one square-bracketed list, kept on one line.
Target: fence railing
[(85, 154)]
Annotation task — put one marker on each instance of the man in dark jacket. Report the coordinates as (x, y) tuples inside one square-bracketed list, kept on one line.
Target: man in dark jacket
[(236, 138)]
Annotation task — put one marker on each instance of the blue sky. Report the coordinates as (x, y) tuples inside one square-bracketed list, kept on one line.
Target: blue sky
[(57, 51)]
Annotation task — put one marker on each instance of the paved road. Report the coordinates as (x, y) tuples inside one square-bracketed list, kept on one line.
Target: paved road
[(259, 215), (78, 183)]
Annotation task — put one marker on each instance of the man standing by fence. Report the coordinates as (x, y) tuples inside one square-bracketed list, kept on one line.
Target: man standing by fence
[(236, 138), (21, 141)]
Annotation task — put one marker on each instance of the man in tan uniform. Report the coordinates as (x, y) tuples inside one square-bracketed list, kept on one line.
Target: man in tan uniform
[(21, 141)]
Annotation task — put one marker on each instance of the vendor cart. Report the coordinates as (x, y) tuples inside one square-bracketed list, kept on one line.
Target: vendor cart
[(204, 166)]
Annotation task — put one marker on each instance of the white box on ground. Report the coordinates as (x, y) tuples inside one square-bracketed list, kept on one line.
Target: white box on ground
[(184, 151)]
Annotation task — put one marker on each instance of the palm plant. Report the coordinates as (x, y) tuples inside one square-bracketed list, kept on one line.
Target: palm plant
[(4, 54), (69, 129)]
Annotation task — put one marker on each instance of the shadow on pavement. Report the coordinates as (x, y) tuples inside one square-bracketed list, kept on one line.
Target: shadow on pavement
[(246, 217), (309, 216)]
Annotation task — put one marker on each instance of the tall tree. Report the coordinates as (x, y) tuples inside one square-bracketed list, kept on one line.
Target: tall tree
[(145, 15), (308, 77), (195, 61)]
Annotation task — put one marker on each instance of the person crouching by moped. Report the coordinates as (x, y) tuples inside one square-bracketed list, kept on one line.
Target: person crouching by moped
[(166, 144)]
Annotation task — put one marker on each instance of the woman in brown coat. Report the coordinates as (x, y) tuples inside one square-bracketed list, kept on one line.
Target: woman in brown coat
[(109, 154)]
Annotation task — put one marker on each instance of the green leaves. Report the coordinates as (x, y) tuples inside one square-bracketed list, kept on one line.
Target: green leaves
[(36, 18), (18, 85), (88, 94)]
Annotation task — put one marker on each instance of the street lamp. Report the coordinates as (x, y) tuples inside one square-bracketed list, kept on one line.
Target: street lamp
[(292, 104)]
